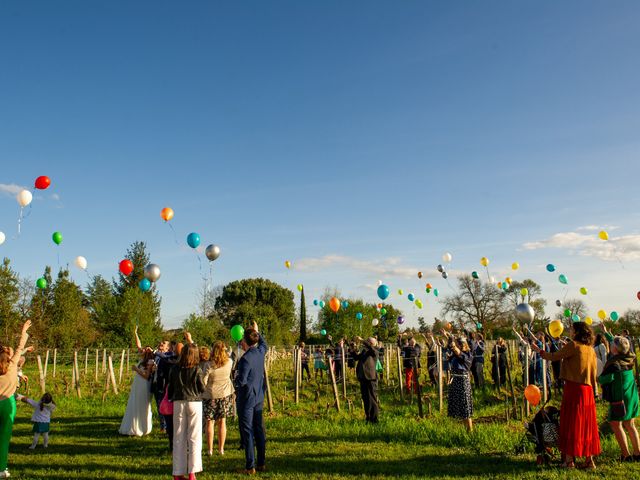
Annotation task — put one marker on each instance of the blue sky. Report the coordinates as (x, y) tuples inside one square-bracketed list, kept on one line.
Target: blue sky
[(360, 140)]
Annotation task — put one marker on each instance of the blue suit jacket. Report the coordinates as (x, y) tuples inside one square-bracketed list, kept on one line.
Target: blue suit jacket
[(249, 381)]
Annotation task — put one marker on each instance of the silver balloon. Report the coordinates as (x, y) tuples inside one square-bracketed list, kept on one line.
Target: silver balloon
[(152, 272), (212, 252), (525, 312), (445, 275), (558, 303), (440, 268)]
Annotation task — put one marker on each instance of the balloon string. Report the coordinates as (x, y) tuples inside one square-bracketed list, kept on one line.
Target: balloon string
[(488, 274), (175, 235), (210, 282)]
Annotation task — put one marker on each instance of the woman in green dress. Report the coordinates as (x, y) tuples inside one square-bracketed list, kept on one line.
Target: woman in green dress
[(619, 389)]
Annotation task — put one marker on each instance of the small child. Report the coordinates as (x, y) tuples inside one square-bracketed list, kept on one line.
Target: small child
[(41, 417)]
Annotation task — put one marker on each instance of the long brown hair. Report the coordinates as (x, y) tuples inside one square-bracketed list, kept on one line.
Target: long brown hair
[(219, 357), (582, 333), (190, 356), (5, 359)]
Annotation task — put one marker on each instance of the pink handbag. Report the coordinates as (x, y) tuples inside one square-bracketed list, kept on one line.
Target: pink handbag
[(166, 405)]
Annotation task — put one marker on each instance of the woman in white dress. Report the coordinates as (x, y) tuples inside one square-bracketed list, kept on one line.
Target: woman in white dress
[(137, 417)]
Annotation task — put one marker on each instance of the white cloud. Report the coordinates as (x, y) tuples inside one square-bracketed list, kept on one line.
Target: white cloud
[(623, 248), (55, 196), (11, 189), (386, 267)]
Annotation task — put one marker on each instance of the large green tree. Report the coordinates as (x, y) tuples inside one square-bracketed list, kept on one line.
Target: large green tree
[(262, 301), (303, 317), (9, 297)]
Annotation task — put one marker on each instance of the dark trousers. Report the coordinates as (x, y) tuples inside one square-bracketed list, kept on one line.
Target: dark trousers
[(253, 435), (338, 366), (368, 389), (477, 369), (163, 421), (169, 420)]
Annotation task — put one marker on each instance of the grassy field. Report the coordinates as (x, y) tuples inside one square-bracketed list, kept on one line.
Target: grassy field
[(308, 441)]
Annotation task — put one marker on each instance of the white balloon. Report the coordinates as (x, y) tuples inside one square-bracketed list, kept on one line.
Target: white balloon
[(81, 263), (379, 282), (24, 198), (492, 279), (2, 238), (374, 322), (447, 257)]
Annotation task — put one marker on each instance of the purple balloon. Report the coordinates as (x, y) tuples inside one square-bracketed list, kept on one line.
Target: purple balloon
[(400, 320)]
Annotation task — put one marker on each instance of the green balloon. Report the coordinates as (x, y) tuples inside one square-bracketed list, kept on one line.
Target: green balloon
[(57, 238), (383, 311), (614, 316), (237, 332), (567, 313), (41, 283)]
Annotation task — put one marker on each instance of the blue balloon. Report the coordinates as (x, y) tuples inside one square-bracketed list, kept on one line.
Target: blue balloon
[(145, 284), (551, 267), (411, 297), (383, 292), (359, 316), (345, 304), (315, 302), (193, 240)]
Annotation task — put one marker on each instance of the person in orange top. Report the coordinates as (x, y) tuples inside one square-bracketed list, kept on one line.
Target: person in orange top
[(578, 423)]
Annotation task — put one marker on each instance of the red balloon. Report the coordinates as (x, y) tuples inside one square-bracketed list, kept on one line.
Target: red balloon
[(126, 267), (43, 182), (638, 294)]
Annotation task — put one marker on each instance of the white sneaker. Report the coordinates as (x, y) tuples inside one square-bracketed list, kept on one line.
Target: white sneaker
[(32, 447), (5, 474)]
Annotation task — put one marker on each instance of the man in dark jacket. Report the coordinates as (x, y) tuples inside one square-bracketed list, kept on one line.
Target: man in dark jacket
[(368, 378), (249, 383), (411, 362)]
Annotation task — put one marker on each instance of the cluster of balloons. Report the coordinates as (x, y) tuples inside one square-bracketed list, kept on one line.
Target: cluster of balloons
[(3, 238), (532, 394)]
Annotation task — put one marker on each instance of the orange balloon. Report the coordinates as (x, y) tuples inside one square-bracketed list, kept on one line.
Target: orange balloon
[(532, 394), (429, 286), (448, 326), (379, 306), (334, 304), (419, 274), (166, 214)]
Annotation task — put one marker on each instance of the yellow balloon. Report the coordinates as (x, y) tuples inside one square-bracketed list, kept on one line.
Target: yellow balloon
[(287, 264), (603, 235), (484, 261), (400, 292), (515, 266), (556, 328), (588, 320), (500, 285), (602, 314), (508, 280)]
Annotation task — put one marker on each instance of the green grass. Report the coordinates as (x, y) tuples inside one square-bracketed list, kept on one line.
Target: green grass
[(305, 441)]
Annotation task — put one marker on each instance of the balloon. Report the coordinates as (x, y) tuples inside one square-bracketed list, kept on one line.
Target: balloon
[(321, 304), (334, 304), (435, 292), (445, 275), (145, 284), (603, 235), (588, 320), (383, 311), (418, 303), (575, 317), (323, 332), (524, 292), (419, 274), (614, 316), (400, 292), (479, 326), (562, 278), (515, 266), (379, 306), (345, 304), (287, 264), (383, 292), (41, 283), (525, 313), (193, 240), (637, 294), (440, 268), (508, 280), (81, 263), (2, 238), (237, 333), (57, 238), (428, 290), (499, 284), (152, 272), (447, 257), (212, 252), (558, 303), (299, 287), (315, 302), (484, 261), (359, 316), (411, 297), (475, 275), (166, 214), (567, 312), (602, 314), (448, 326), (532, 394), (42, 182), (24, 198), (505, 285), (126, 267), (551, 268), (379, 282), (374, 322), (556, 328), (400, 320), (583, 290)]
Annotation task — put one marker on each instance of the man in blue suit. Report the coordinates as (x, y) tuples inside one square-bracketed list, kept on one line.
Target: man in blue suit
[(249, 383)]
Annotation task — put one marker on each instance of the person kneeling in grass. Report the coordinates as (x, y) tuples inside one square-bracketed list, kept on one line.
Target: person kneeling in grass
[(41, 417)]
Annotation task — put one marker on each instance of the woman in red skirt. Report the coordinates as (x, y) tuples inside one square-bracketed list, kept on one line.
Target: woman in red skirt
[(578, 423)]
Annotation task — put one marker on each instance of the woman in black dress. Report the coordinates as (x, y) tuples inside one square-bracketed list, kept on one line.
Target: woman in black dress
[(460, 400)]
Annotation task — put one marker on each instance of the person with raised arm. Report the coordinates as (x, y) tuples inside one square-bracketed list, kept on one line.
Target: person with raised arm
[(368, 377), (8, 384)]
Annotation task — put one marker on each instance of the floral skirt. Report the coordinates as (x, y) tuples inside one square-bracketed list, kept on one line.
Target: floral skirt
[(460, 400), (218, 408)]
